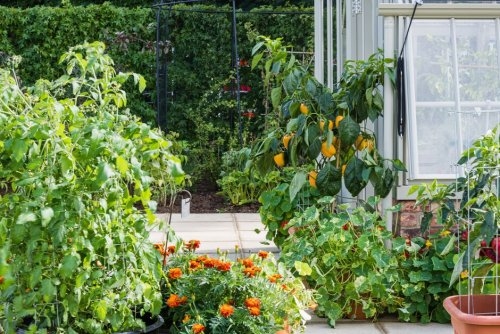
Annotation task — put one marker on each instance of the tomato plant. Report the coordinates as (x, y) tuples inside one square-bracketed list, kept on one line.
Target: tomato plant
[(78, 173)]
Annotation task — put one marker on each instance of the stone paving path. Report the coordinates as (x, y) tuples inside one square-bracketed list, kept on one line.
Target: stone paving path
[(236, 234)]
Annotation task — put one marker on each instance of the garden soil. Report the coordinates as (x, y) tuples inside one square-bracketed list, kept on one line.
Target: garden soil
[(206, 199)]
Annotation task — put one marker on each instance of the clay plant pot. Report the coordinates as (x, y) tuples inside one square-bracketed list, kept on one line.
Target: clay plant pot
[(356, 312), (474, 314)]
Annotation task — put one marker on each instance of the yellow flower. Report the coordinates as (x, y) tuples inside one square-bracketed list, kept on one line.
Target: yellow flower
[(464, 274), (428, 243), (445, 233)]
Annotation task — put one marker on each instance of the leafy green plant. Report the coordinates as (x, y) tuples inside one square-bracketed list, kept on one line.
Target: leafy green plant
[(238, 183), (475, 219), (426, 268), (325, 129), (78, 172), (277, 208), (342, 254), (462, 256), (217, 295)]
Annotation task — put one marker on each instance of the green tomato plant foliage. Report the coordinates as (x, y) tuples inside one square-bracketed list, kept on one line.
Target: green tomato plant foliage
[(328, 128), (78, 174)]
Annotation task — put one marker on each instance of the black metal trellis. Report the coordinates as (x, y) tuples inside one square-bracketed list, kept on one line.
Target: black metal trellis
[(163, 10)]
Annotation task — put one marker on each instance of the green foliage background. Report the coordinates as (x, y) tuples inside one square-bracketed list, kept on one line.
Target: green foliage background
[(245, 4), (199, 60)]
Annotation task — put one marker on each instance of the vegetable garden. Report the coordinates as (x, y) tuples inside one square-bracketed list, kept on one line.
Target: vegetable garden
[(84, 167)]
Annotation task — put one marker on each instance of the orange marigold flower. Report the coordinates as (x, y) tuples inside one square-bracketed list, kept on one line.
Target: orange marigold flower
[(263, 254), (274, 278), (198, 328), (255, 311), (252, 302), (193, 264), (174, 273), (160, 248), (175, 301), (226, 310), (171, 249), (223, 266), (247, 262), (186, 318), (209, 262), (251, 271), (192, 244)]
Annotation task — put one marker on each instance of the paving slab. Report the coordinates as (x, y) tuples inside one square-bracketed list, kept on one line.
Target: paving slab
[(412, 328), (382, 327)]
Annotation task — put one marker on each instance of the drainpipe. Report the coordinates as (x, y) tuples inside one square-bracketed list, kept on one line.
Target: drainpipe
[(329, 43), (319, 49), (388, 132)]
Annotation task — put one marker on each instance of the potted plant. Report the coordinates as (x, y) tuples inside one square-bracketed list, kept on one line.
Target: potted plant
[(342, 254), (206, 294), (78, 172)]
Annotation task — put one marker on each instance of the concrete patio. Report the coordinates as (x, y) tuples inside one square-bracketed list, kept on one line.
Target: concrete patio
[(237, 234)]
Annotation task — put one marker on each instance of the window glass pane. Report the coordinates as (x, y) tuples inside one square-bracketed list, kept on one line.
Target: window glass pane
[(454, 89), (436, 148), (477, 60), (432, 61)]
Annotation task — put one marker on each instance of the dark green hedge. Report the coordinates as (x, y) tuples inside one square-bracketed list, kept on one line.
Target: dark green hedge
[(242, 4), (200, 35), (199, 60), (41, 34)]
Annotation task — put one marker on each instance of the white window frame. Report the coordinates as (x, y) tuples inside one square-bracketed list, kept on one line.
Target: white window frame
[(396, 17)]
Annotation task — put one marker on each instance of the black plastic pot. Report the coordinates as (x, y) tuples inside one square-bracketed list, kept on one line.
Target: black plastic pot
[(151, 327)]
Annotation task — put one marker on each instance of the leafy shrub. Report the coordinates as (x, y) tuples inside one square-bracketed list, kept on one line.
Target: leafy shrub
[(76, 166), (425, 276)]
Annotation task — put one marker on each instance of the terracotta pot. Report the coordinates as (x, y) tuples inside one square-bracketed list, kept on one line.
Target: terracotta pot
[(474, 314), (356, 312)]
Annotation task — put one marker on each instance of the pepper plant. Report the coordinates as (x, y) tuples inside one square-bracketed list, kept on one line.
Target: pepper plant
[(324, 134), (77, 176)]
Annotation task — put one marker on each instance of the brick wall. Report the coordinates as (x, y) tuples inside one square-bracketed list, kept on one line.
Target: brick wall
[(407, 221)]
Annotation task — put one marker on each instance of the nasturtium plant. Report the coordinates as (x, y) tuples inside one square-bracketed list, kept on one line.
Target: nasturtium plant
[(78, 173), (323, 128)]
